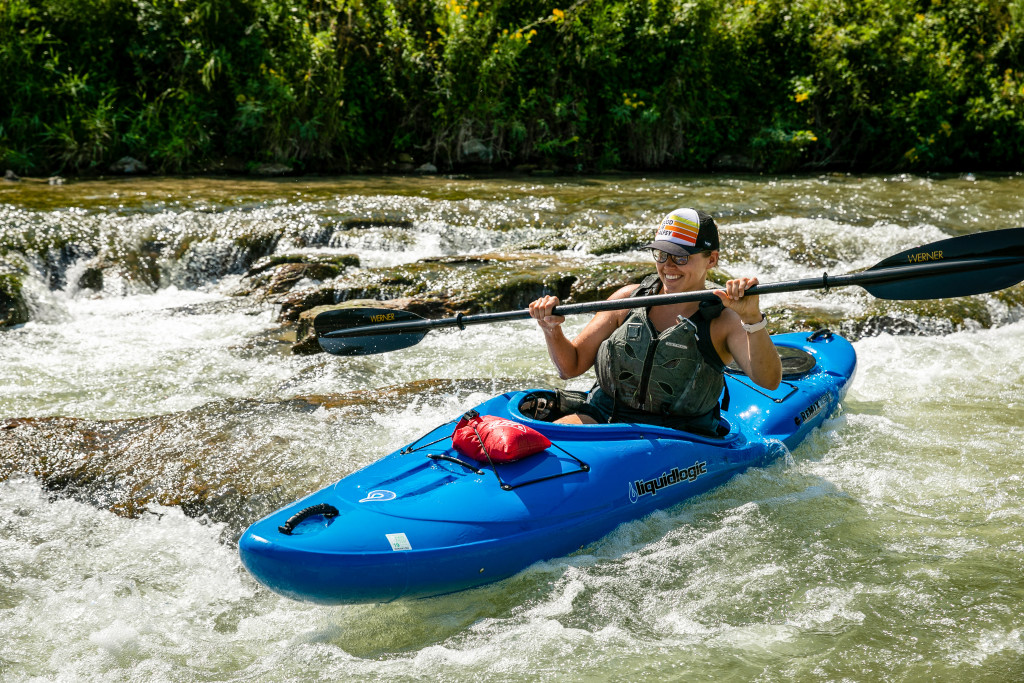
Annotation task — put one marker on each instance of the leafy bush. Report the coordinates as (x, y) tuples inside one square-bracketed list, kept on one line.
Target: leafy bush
[(347, 85)]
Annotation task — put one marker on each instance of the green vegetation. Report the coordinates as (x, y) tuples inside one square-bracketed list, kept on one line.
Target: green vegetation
[(353, 85)]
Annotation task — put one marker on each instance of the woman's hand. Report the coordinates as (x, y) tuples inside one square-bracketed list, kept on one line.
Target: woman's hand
[(734, 296), (753, 352), (541, 309)]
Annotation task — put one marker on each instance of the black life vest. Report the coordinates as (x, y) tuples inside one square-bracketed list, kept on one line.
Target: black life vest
[(677, 372)]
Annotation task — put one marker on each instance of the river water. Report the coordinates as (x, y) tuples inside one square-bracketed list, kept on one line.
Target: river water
[(889, 546)]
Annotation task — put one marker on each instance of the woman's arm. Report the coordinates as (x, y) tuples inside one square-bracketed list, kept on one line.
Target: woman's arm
[(754, 352), (574, 357)]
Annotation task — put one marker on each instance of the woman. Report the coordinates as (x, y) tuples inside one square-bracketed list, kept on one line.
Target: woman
[(664, 365)]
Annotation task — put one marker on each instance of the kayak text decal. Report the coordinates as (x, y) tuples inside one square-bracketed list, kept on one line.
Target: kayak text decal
[(379, 495), (676, 476), (812, 410)]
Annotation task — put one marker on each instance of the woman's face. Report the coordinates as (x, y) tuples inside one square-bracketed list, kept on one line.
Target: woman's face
[(688, 277)]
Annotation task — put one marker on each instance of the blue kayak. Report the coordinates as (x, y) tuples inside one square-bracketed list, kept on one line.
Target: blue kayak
[(426, 521)]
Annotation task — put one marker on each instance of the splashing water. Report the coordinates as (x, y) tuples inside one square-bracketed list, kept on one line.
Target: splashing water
[(889, 546)]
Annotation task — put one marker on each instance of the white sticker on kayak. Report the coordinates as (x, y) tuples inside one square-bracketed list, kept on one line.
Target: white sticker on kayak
[(378, 495), (399, 542)]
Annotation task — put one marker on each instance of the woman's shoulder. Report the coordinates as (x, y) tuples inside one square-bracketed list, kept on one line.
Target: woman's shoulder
[(625, 291)]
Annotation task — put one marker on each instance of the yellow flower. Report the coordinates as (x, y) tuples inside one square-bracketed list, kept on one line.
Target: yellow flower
[(801, 97), (558, 14)]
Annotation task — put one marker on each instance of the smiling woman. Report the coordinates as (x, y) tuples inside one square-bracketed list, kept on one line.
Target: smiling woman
[(664, 364)]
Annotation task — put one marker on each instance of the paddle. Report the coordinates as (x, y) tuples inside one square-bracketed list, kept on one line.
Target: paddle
[(958, 266)]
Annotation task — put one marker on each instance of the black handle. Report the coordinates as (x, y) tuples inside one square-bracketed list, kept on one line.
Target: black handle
[(324, 509)]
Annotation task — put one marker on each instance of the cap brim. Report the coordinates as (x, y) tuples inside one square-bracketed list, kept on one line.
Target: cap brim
[(673, 248)]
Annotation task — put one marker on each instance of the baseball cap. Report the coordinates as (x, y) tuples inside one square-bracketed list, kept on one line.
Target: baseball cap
[(686, 231)]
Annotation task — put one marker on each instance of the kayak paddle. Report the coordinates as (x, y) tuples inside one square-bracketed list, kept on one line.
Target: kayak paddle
[(958, 266)]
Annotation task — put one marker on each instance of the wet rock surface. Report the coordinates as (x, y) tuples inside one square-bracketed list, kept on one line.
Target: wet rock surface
[(488, 282), (13, 305), (211, 461)]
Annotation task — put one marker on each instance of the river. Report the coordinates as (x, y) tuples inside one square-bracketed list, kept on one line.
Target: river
[(889, 546)]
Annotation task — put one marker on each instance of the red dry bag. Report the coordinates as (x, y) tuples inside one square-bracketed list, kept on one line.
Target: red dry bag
[(477, 436)]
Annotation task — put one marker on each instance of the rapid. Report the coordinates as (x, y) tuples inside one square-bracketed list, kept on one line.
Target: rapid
[(144, 424)]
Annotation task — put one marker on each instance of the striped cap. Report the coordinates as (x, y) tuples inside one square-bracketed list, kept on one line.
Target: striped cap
[(686, 231)]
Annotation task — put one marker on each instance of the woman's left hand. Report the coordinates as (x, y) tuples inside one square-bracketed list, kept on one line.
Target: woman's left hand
[(734, 296)]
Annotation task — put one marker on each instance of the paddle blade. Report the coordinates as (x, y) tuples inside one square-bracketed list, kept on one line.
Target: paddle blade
[(364, 344), (991, 261)]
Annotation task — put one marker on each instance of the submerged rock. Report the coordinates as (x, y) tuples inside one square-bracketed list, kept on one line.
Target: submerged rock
[(913, 317), (441, 287), (91, 278), (279, 273), (128, 166), (272, 170), (219, 460), (489, 282)]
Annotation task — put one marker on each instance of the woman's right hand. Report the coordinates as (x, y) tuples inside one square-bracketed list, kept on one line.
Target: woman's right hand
[(541, 309)]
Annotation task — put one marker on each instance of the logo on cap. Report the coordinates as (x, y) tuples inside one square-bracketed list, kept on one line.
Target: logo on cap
[(680, 227)]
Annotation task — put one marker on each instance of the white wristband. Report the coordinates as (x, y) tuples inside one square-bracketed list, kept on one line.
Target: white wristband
[(756, 327)]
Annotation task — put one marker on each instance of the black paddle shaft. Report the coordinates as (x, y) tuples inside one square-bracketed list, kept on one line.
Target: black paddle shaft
[(873, 280)]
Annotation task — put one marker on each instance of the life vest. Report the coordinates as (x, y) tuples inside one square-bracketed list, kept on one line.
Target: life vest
[(677, 372)]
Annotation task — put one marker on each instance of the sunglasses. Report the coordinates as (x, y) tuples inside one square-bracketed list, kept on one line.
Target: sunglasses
[(662, 256)]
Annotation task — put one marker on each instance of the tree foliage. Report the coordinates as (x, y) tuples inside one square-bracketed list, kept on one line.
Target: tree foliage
[(346, 85)]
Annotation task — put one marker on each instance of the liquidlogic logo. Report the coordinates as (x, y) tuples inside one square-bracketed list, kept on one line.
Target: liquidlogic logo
[(676, 476)]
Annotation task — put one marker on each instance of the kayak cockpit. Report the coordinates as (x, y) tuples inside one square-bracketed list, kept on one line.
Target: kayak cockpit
[(539, 408)]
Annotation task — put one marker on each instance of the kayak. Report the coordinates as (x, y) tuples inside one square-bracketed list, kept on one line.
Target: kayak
[(425, 520)]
